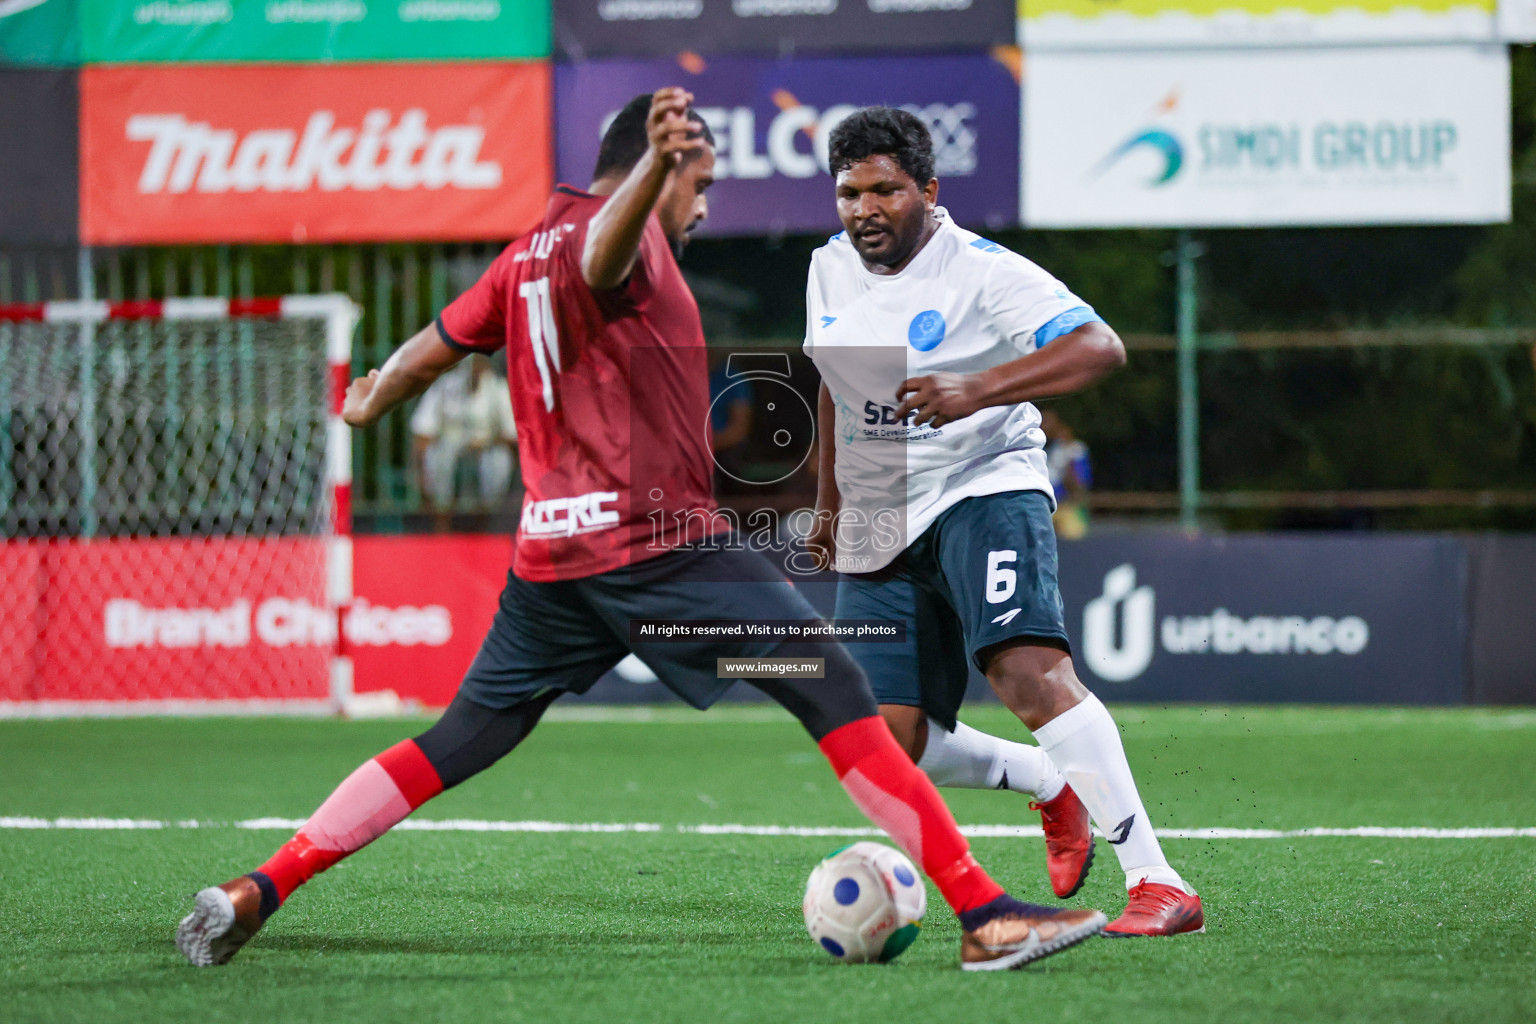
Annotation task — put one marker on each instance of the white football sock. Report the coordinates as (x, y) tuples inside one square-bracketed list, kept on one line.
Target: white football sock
[(968, 759), (1085, 744)]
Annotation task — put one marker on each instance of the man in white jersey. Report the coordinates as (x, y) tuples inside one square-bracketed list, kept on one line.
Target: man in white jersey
[(936, 506)]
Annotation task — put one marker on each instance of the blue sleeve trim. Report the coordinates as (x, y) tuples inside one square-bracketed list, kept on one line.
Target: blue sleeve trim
[(455, 343), (1065, 323)]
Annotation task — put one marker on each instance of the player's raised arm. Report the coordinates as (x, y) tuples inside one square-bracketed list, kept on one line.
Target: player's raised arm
[(408, 372), (1069, 363), (613, 240)]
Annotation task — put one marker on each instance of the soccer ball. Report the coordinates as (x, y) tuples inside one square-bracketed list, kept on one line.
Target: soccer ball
[(865, 903)]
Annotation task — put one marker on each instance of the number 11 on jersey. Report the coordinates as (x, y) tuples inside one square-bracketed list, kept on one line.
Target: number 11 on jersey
[(542, 335)]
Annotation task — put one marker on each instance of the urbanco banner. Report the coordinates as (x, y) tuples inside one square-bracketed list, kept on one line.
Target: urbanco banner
[(39, 201), (1378, 135), (772, 119), (341, 153), (1325, 618), (133, 31), (1161, 24), (662, 28)]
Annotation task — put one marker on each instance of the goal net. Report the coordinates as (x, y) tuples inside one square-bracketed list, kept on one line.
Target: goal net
[(174, 505)]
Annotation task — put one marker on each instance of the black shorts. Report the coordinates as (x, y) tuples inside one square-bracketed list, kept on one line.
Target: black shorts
[(565, 635), (983, 574)]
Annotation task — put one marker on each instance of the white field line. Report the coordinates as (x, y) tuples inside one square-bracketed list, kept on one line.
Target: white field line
[(976, 831)]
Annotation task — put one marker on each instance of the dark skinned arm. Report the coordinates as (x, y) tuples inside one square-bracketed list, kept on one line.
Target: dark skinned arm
[(405, 374), (822, 540), (613, 237), (1069, 363)]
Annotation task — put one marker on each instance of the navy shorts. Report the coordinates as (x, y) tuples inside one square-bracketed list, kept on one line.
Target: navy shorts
[(565, 635), (983, 574)]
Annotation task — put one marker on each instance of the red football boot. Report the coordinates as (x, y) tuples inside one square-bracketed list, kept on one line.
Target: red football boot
[(1068, 841), (1156, 909)]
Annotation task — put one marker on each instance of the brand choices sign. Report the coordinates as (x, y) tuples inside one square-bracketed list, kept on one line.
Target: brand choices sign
[(240, 619), (316, 154), (772, 119), (1389, 135), (593, 28), (1278, 617)]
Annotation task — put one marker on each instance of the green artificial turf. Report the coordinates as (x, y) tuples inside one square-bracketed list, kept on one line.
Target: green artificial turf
[(681, 926)]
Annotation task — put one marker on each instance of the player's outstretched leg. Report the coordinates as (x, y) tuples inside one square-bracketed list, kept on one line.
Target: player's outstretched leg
[(373, 799), (965, 758), (1078, 734), (1000, 931)]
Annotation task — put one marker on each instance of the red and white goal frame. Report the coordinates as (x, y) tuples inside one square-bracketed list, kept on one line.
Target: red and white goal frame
[(175, 506)]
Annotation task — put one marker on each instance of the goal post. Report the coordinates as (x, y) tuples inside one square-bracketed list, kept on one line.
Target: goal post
[(175, 506)]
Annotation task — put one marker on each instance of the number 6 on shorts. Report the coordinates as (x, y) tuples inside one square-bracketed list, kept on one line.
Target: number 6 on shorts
[(1000, 581)]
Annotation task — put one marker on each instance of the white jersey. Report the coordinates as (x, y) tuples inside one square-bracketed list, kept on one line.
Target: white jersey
[(962, 305)]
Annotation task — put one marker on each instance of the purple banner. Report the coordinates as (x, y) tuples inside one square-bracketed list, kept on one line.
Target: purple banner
[(772, 118)]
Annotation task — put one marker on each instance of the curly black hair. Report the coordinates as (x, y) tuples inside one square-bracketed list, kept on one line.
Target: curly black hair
[(626, 140), (883, 131)]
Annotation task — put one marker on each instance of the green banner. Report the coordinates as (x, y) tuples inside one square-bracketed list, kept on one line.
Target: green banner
[(39, 32), (135, 31)]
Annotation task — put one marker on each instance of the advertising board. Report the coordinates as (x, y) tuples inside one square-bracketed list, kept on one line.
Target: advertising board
[(147, 31), (1277, 617), (39, 200), (772, 119), (1154, 24), (267, 153), (1379, 135), (661, 28)]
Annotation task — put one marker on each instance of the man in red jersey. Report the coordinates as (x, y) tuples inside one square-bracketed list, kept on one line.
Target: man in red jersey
[(606, 363)]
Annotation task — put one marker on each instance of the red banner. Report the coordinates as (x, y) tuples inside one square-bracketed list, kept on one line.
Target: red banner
[(170, 620), (313, 153), (423, 605)]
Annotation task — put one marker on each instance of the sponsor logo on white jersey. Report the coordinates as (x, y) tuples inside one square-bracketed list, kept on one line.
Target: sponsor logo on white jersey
[(380, 153), (1127, 611), (566, 517)]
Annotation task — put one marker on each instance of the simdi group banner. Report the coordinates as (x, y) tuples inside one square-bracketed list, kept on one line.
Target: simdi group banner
[(661, 28), (1368, 135), (313, 153), (772, 120), (1148, 24)]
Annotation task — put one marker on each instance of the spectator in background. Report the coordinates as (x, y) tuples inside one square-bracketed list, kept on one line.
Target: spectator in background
[(463, 428), (730, 420), (1066, 460)]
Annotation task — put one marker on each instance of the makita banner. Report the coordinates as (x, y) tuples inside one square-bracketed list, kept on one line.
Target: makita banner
[(313, 154), (39, 204), (662, 28), (123, 31), (1333, 619), (772, 119)]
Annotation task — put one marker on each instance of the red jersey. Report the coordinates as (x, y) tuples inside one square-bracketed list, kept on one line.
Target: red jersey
[(610, 391)]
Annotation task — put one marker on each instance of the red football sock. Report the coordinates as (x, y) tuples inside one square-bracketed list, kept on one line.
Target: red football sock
[(368, 803), (896, 795)]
